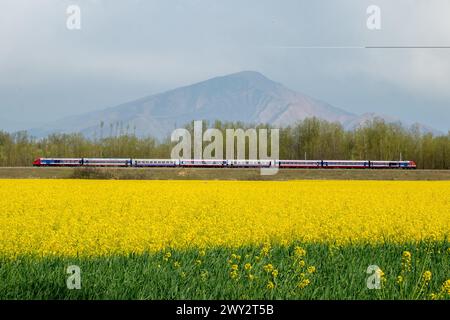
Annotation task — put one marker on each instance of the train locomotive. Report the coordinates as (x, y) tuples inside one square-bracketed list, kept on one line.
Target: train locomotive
[(214, 163)]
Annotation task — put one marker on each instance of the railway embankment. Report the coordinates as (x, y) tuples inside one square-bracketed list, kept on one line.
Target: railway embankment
[(218, 174)]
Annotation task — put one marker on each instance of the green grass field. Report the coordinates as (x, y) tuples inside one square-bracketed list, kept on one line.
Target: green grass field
[(340, 273)]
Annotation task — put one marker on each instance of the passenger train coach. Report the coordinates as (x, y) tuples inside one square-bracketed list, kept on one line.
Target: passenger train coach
[(203, 163)]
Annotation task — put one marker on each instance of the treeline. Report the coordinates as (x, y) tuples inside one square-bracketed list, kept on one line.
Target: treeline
[(310, 139), (20, 149)]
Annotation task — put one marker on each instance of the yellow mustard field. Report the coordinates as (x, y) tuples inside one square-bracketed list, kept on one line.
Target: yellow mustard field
[(97, 218)]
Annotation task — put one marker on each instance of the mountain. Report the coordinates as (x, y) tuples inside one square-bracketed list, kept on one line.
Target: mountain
[(365, 118), (246, 96)]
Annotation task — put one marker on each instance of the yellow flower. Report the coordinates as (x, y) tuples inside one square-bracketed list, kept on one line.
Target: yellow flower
[(311, 269), (399, 279), (98, 218), (251, 277), (270, 285), (198, 262), (426, 277), (266, 249), (233, 274), (299, 252), (176, 264), (234, 267), (204, 275), (406, 261), (268, 267), (301, 263), (381, 274), (202, 253), (275, 273), (446, 287), (167, 256), (304, 283), (247, 266)]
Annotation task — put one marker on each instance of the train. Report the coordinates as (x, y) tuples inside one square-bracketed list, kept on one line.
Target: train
[(214, 163)]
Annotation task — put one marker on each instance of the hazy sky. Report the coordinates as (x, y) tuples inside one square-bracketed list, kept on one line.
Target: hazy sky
[(129, 49)]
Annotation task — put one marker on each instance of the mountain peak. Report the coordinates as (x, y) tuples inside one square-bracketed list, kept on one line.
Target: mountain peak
[(250, 75), (239, 81), (246, 96)]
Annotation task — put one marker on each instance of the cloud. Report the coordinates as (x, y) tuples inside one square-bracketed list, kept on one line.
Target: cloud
[(137, 47)]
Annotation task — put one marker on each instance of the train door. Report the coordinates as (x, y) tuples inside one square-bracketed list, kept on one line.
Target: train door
[(393, 165)]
